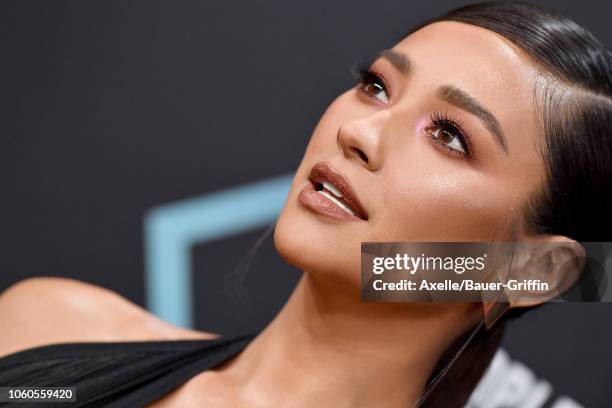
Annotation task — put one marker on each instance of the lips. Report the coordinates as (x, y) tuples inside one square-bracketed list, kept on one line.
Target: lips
[(331, 194)]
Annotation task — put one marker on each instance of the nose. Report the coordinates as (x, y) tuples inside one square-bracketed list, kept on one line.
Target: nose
[(361, 139)]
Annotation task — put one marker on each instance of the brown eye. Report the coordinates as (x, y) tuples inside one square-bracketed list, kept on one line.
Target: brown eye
[(448, 136), (372, 86), (444, 136)]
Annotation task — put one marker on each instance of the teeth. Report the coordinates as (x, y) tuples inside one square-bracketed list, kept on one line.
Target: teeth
[(338, 202), (332, 188)]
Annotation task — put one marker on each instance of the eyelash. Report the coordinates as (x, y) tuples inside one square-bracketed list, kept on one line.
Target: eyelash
[(365, 75), (442, 120)]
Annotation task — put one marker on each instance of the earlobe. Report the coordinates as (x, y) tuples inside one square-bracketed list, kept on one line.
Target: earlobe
[(493, 311)]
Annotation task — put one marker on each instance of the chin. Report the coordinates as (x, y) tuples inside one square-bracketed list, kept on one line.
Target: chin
[(327, 251)]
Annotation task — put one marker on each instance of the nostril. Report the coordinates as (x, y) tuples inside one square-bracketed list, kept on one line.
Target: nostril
[(359, 153)]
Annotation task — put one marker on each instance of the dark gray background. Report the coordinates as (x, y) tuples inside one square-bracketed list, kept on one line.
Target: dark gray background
[(109, 108)]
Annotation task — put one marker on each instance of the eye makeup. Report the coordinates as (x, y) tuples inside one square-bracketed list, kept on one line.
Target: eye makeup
[(445, 123), (443, 129), (369, 79)]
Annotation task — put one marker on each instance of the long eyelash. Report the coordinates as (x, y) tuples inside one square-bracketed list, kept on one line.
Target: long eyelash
[(361, 69), (440, 118), (363, 73)]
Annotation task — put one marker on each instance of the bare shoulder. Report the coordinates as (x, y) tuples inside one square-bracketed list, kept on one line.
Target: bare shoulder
[(46, 310)]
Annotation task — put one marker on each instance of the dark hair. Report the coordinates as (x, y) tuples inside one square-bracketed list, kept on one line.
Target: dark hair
[(575, 111)]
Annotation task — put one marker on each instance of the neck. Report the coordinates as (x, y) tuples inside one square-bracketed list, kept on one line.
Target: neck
[(326, 346)]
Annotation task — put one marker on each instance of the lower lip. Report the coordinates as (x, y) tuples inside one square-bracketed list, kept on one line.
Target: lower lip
[(321, 205)]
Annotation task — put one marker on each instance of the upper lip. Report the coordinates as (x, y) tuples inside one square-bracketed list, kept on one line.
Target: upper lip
[(324, 171)]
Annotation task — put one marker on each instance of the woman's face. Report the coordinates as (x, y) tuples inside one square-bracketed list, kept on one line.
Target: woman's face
[(438, 144)]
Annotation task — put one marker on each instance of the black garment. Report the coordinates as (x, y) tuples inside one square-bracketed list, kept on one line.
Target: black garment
[(125, 374)]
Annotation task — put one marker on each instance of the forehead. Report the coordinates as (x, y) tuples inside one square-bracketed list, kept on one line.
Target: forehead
[(484, 64), (476, 55)]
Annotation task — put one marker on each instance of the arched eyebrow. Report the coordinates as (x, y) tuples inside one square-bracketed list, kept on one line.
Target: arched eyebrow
[(468, 103), (399, 60), (453, 95)]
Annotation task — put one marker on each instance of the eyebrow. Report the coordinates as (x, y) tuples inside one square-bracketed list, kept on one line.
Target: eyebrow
[(465, 101), (452, 95), (400, 61)]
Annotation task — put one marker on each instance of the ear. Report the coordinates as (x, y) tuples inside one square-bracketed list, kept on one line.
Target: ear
[(551, 265), (555, 265)]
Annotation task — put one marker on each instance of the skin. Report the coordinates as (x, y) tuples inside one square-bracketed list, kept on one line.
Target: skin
[(325, 347)]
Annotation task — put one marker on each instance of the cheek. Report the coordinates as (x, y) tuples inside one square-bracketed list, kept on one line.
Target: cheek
[(438, 204)]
